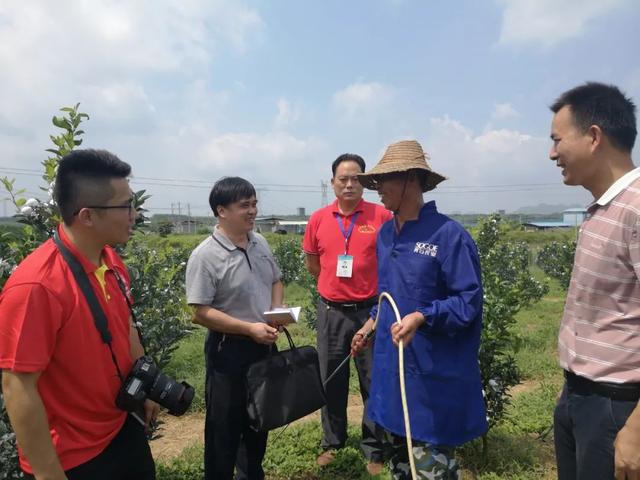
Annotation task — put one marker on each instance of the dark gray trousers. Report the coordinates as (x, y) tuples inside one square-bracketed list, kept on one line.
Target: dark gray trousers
[(335, 329), (229, 441), (585, 427)]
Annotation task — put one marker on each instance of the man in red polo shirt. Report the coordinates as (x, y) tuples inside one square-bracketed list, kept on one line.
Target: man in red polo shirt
[(340, 251), (59, 379)]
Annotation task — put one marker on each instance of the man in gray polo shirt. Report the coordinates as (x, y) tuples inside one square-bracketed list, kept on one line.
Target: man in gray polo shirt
[(232, 278)]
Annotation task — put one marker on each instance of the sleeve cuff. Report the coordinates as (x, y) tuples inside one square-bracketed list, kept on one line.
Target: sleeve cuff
[(429, 316)]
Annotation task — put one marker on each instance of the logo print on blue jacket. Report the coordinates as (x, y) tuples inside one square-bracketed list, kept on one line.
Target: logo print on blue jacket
[(424, 248)]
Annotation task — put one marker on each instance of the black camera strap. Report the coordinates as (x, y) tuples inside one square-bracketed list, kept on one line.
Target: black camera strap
[(123, 289), (99, 318)]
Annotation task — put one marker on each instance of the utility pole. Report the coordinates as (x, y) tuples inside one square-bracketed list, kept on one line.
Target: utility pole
[(179, 217), (323, 188), (189, 216)]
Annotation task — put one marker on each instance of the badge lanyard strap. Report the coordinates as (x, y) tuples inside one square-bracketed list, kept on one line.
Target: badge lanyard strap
[(347, 234)]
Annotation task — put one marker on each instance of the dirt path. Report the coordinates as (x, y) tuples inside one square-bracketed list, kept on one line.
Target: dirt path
[(178, 433)]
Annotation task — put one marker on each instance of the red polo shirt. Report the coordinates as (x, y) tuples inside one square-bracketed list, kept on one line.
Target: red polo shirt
[(46, 326), (323, 237)]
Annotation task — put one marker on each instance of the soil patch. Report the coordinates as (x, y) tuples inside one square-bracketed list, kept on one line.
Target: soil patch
[(178, 433)]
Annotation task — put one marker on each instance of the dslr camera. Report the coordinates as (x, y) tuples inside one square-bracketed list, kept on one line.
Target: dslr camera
[(147, 381)]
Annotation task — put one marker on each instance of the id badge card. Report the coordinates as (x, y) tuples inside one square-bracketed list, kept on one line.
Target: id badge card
[(345, 266)]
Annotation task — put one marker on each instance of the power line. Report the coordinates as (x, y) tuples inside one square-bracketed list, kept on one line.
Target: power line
[(303, 188)]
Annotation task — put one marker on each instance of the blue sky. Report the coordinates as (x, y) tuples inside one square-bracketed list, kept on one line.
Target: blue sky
[(189, 91)]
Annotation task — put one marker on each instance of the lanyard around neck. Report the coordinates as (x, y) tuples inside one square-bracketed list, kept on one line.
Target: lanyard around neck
[(346, 233)]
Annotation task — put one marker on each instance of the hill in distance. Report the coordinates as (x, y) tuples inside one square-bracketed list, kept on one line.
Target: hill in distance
[(545, 208)]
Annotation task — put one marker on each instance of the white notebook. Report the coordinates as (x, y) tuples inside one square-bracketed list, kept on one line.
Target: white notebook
[(282, 315)]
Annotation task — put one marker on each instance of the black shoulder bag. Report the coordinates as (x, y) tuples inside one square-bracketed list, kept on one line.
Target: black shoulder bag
[(284, 387)]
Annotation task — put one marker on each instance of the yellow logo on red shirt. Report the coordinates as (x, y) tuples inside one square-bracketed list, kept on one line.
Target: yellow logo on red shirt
[(367, 229)]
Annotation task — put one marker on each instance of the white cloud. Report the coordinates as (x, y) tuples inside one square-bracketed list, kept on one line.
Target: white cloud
[(504, 111), (499, 168), (119, 100), (52, 52), (142, 71), (257, 152), (483, 158), (287, 114), (241, 23), (548, 22), (363, 98)]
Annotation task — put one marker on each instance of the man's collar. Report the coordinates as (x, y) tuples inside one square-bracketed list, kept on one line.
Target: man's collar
[(429, 207), (617, 187), (87, 265), (359, 207), (224, 241)]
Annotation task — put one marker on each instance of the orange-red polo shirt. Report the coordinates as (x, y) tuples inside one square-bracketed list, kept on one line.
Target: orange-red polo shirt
[(46, 326), (323, 237)]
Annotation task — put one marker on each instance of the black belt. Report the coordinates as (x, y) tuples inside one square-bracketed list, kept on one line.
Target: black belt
[(628, 392), (351, 306)]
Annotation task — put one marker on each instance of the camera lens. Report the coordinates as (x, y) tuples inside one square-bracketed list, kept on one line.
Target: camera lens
[(175, 397)]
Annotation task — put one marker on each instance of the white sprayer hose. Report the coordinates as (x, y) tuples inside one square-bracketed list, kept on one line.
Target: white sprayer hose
[(403, 393)]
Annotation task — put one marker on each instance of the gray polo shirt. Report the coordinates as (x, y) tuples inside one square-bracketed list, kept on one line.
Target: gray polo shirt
[(235, 281)]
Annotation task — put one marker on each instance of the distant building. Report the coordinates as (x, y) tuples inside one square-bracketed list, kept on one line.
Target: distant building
[(574, 216), (273, 224), (571, 218), (267, 224), (293, 226), (189, 226)]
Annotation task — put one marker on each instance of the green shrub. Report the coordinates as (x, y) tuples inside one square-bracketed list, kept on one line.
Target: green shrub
[(556, 260), (289, 256), (157, 285), (508, 286), (9, 467)]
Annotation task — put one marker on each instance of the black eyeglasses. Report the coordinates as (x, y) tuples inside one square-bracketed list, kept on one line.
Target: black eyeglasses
[(130, 206)]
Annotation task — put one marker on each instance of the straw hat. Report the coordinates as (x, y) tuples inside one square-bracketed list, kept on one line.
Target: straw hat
[(402, 157)]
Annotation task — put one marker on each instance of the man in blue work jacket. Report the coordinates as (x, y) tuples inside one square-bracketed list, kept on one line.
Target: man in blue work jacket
[(429, 264)]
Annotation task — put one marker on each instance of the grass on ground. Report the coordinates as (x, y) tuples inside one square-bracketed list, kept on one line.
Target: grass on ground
[(520, 448)]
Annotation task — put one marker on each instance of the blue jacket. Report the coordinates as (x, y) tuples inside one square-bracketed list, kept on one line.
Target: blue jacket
[(431, 266)]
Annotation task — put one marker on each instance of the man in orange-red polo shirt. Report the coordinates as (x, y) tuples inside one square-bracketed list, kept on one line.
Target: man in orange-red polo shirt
[(340, 251), (59, 379)]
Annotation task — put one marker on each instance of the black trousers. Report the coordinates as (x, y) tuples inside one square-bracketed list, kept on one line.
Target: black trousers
[(585, 427), (127, 457), (229, 442), (335, 329)]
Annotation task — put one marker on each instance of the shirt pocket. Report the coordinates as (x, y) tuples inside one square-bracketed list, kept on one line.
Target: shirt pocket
[(424, 274)]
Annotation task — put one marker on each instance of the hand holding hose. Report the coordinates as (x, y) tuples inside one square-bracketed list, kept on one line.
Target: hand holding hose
[(360, 340), (401, 335), (408, 328)]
